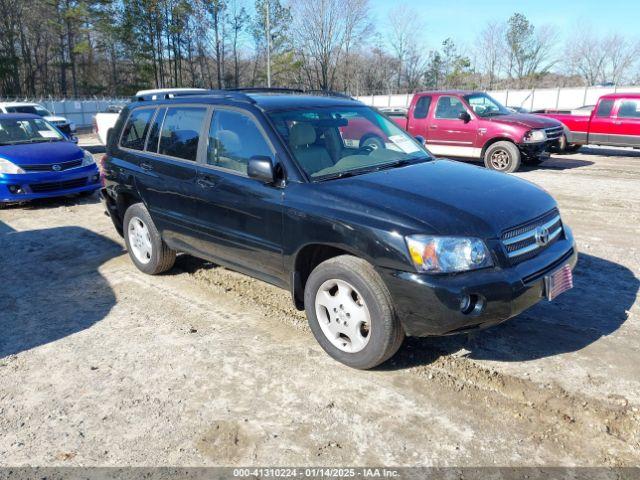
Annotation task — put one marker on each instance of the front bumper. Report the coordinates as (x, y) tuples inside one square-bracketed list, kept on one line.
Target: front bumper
[(533, 150), (429, 305), (31, 186)]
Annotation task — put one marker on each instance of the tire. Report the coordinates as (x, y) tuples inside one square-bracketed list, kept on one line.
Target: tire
[(373, 142), (503, 157), (145, 245), (572, 148), (361, 291)]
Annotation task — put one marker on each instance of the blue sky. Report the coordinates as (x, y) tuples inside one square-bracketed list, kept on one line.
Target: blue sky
[(463, 19)]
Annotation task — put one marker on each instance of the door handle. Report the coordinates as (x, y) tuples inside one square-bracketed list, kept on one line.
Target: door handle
[(204, 183), (618, 122), (433, 127), (147, 167)]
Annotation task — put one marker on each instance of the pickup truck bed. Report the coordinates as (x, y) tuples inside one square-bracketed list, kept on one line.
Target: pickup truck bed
[(615, 121)]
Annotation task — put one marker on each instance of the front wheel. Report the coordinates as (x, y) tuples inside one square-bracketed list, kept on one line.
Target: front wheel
[(144, 243), (350, 312), (502, 157)]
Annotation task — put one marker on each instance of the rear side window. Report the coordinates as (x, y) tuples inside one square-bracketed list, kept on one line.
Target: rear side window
[(233, 139), (449, 107), (135, 130), (181, 132), (604, 108), (629, 109), (422, 107)]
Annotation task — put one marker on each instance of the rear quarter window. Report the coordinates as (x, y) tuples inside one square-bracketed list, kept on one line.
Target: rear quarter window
[(422, 107), (136, 128), (604, 108)]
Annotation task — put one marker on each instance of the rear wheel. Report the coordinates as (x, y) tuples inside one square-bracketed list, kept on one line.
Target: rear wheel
[(350, 312), (503, 157), (144, 244)]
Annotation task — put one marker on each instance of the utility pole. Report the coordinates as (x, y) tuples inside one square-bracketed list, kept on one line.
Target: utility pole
[(268, 34)]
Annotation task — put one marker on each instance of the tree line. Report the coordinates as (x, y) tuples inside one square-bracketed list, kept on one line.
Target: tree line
[(78, 48)]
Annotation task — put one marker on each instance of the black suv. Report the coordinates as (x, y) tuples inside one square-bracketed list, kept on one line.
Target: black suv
[(331, 200)]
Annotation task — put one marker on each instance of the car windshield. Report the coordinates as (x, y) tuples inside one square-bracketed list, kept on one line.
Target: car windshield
[(485, 106), (333, 142), (32, 130), (31, 109)]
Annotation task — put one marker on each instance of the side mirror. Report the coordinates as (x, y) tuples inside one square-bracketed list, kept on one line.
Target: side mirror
[(464, 116), (73, 138), (261, 168), (420, 139)]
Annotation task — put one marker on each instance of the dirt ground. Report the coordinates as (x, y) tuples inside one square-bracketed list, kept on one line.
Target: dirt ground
[(103, 365)]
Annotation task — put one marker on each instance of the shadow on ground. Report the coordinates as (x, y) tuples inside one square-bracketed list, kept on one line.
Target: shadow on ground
[(609, 152), (55, 202), (51, 285), (597, 306)]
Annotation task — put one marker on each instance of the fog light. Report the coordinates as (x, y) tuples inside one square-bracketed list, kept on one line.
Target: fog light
[(472, 304), (15, 189)]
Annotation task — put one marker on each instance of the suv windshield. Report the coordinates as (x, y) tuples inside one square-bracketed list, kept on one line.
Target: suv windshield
[(333, 142), (31, 130), (485, 106), (31, 109)]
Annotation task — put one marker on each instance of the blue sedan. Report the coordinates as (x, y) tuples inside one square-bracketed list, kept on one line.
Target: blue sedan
[(39, 161)]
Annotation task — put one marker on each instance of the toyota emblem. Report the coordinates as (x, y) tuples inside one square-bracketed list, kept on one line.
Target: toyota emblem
[(56, 168), (542, 236)]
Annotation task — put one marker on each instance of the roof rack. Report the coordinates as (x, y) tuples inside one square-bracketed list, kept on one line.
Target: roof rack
[(236, 95), (329, 93), (240, 94), (326, 93)]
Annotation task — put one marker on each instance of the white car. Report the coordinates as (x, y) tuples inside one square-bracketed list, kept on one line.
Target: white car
[(64, 125), (103, 122)]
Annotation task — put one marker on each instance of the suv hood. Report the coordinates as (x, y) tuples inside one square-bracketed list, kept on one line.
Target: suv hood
[(525, 120), (440, 197), (46, 153)]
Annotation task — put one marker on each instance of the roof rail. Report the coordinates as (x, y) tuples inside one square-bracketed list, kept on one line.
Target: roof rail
[(265, 90), (190, 93), (330, 93)]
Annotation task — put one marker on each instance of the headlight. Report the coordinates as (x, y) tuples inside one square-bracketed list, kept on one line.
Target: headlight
[(534, 136), (433, 254), (7, 167), (88, 159)]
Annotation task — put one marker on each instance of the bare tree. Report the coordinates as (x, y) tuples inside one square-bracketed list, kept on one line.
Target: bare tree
[(490, 49), (620, 58), (405, 33), (323, 32)]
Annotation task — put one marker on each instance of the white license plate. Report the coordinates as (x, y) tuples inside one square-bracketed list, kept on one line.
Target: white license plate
[(558, 282)]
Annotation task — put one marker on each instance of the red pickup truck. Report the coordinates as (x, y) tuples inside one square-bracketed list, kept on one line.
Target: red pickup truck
[(614, 121), (473, 125)]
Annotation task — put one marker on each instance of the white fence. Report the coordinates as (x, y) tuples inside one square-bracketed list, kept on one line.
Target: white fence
[(534, 99)]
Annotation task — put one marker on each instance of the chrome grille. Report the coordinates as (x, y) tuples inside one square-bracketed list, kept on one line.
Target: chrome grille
[(527, 240), (49, 166), (554, 133)]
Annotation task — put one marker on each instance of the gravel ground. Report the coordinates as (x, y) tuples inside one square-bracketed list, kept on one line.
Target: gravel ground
[(102, 365)]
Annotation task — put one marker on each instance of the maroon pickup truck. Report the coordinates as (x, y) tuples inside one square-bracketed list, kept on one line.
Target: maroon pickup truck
[(614, 121), (473, 125)]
